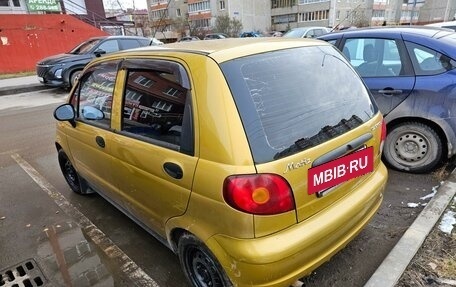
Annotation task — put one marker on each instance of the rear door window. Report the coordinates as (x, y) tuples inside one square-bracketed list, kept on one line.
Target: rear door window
[(109, 46), (156, 104), (294, 99), (129, 44), (427, 61)]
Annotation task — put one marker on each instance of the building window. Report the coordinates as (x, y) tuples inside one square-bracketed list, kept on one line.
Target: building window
[(282, 3), (313, 16), (143, 81), (199, 6), (281, 19), (301, 2), (222, 5), (159, 14), (200, 23)]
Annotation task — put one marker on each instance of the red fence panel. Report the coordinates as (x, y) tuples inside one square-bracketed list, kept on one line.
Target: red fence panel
[(25, 39)]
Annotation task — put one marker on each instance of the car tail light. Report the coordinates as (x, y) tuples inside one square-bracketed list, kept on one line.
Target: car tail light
[(383, 136), (264, 194)]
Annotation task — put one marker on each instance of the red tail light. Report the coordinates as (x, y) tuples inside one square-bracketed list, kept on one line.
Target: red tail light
[(383, 136), (264, 194)]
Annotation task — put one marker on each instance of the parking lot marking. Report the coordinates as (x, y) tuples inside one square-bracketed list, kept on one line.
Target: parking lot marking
[(127, 266)]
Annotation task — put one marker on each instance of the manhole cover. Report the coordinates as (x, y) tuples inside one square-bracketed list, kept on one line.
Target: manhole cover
[(25, 274)]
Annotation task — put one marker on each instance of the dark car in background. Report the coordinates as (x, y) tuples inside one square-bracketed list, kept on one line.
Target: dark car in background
[(250, 34), (411, 73), (214, 36), (62, 70), (189, 38)]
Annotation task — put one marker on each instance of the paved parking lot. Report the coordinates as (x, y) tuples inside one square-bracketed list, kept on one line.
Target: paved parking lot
[(72, 237)]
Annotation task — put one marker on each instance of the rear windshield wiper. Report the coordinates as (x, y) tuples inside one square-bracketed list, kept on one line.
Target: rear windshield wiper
[(326, 133)]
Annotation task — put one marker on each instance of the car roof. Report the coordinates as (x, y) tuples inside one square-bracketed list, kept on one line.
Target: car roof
[(117, 37), (425, 31), (222, 50)]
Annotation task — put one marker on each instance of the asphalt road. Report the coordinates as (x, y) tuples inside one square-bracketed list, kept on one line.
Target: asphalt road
[(73, 239)]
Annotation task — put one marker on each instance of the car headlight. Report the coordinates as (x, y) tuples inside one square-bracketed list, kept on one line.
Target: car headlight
[(58, 73)]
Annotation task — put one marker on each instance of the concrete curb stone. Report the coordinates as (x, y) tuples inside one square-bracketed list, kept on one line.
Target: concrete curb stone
[(392, 267)]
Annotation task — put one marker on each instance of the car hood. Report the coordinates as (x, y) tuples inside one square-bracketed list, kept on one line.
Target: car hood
[(64, 58)]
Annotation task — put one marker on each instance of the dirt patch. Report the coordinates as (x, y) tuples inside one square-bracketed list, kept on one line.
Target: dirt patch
[(435, 262)]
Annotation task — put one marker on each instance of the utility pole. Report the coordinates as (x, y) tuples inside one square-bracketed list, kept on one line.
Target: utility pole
[(411, 12)]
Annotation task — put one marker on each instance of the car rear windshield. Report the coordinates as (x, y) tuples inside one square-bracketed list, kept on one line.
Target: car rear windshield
[(294, 99)]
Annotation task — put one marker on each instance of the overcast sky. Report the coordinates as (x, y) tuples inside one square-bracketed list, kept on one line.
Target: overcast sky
[(112, 4)]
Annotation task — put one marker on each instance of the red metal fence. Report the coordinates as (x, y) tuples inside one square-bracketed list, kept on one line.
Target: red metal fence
[(25, 39)]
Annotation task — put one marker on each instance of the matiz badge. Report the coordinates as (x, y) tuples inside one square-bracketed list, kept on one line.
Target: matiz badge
[(342, 169)]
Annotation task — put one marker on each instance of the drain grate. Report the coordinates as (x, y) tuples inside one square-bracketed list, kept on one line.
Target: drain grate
[(25, 274)]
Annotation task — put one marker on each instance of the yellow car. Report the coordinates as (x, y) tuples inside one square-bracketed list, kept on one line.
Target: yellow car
[(255, 160)]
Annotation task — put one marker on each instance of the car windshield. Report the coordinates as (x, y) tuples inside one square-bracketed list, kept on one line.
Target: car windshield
[(295, 33), (84, 47), (293, 99)]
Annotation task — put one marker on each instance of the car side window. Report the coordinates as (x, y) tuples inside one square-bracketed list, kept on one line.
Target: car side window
[(93, 97), (374, 57), (109, 46), (156, 106), (427, 61), (129, 44)]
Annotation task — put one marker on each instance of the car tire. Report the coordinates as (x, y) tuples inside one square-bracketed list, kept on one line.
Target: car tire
[(413, 147), (199, 265), (74, 77), (76, 183)]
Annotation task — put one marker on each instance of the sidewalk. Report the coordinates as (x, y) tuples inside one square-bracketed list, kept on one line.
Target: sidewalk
[(20, 85)]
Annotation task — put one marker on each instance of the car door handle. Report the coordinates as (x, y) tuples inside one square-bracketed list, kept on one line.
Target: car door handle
[(100, 141), (173, 170), (390, 92)]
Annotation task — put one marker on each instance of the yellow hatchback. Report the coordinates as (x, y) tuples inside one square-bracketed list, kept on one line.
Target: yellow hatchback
[(254, 159)]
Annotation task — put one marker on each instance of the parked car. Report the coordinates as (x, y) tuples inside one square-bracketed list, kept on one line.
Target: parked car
[(189, 38), (306, 32), (155, 41), (410, 71), (250, 34), (213, 36), (62, 70), (204, 145), (447, 25)]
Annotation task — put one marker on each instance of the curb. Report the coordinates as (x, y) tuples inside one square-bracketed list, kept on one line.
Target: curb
[(392, 267), (5, 91)]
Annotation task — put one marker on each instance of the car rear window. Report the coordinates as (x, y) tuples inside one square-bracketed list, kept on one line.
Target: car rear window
[(294, 99)]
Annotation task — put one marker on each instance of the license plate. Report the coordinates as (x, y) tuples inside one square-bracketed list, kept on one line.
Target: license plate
[(340, 170)]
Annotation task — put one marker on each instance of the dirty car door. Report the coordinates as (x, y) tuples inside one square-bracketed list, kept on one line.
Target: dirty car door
[(385, 67), (154, 155), (90, 139)]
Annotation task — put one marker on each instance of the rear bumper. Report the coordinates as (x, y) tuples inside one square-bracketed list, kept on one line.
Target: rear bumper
[(282, 258)]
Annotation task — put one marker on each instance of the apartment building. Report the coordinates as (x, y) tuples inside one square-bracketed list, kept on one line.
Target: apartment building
[(433, 11), (173, 19), (282, 15)]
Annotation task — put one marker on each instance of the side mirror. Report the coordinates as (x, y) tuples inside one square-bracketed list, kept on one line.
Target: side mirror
[(99, 52), (65, 112), (92, 113)]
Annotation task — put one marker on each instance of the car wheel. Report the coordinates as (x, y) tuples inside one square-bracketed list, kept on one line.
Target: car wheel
[(199, 265), (74, 77), (71, 176), (413, 147)]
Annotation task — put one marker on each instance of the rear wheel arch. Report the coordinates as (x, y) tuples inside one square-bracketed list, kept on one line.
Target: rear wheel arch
[(415, 145), (437, 128)]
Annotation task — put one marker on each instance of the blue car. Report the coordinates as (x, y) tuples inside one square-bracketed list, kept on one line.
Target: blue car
[(411, 73)]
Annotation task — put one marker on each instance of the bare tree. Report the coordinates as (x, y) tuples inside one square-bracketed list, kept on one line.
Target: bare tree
[(231, 27)]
